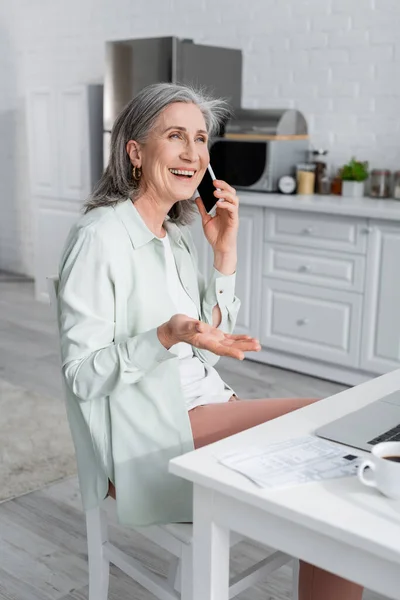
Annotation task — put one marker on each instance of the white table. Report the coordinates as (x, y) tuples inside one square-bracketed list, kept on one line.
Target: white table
[(338, 525)]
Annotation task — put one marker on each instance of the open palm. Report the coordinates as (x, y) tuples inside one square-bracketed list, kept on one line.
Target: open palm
[(204, 336)]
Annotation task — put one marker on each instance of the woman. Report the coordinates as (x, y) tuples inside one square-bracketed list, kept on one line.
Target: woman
[(140, 330)]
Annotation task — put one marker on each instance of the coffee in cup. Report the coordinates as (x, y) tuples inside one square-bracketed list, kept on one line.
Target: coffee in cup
[(384, 466), (393, 458)]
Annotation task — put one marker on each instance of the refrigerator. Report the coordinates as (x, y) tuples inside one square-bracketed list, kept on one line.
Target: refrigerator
[(131, 65)]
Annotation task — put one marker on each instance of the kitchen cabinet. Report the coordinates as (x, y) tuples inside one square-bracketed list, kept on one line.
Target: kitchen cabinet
[(65, 149), (317, 277), (381, 320), (318, 323), (249, 269)]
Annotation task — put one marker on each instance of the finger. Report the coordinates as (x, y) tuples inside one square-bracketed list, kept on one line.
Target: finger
[(217, 347), (231, 208), (220, 183), (243, 338), (227, 196), (243, 345), (231, 352)]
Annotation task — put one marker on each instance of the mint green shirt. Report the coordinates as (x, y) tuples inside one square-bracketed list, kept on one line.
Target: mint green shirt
[(125, 405)]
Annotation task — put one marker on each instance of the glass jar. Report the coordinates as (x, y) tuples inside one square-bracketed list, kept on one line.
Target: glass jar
[(396, 185), (380, 183), (319, 158), (305, 179), (336, 184)]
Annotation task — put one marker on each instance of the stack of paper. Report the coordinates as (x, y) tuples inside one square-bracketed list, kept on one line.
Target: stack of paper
[(292, 462)]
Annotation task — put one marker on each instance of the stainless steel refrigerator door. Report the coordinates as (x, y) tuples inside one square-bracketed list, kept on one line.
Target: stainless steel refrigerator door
[(217, 69), (131, 65)]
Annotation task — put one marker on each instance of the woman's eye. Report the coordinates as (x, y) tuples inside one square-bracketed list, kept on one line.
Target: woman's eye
[(175, 135), (202, 139)]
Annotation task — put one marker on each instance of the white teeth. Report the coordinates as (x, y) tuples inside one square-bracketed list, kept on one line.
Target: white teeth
[(179, 172)]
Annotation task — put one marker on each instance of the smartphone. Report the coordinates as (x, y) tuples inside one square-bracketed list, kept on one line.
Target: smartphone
[(206, 191)]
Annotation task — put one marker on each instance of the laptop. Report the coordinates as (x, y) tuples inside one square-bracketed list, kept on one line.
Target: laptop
[(377, 422)]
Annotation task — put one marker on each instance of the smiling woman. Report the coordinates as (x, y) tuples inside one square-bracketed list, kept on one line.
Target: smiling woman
[(140, 328)]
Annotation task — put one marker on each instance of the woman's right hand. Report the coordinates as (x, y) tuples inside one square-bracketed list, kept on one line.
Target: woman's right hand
[(181, 328)]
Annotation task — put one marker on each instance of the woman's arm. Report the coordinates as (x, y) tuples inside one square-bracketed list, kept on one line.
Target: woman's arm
[(226, 265), (93, 365), (221, 233)]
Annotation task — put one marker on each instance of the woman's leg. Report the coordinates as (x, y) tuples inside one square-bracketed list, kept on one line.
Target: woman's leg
[(317, 584), (214, 422)]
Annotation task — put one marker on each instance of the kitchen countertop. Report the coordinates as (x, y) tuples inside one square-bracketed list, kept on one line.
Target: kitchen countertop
[(388, 210)]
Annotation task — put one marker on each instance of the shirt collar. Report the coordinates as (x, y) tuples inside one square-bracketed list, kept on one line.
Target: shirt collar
[(137, 229)]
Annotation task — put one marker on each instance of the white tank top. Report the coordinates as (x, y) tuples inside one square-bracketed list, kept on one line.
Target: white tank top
[(201, 383)]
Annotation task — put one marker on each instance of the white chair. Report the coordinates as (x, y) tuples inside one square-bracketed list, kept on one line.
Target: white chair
[(175, 538)]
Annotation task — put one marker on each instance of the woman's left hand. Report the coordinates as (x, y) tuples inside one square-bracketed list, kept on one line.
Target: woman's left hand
[(221, 230)]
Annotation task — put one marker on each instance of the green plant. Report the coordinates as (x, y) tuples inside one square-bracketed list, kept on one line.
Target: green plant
[(354, 171)]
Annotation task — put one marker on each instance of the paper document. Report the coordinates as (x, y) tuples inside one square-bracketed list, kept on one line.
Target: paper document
[(292, 462)]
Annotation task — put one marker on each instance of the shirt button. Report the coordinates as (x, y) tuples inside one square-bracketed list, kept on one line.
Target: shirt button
[(220, 291)]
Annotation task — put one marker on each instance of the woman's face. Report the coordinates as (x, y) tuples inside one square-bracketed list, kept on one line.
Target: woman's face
[(175, 156)]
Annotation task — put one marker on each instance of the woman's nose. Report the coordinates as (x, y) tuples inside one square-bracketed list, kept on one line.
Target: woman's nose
[(189, 152)]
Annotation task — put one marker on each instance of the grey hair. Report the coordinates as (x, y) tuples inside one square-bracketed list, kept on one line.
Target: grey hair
[(135, 122)]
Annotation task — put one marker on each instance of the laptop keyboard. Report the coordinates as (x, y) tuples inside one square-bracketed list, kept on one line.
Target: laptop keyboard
[(392, 435)]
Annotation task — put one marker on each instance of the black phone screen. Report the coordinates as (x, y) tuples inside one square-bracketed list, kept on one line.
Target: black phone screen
[(206, 191)]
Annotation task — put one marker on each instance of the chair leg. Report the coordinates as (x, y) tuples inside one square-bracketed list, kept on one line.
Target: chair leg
[(295, 579), (186, 573), (99, 566), (173, 577)]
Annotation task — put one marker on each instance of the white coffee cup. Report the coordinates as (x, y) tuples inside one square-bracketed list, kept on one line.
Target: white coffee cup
[(384, 473)]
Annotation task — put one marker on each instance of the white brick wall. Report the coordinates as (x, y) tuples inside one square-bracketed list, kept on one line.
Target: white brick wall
[(336, 60)]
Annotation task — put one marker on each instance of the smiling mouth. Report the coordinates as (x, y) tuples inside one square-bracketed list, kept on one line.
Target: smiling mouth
[(182, 174)]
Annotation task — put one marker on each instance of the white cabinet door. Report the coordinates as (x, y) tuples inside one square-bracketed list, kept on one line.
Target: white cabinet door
[(249, 269), (311, 321), (73, 143), (42, 142), (52, 224), (380, 349), (80, 143), (66, 159), (65, 141)]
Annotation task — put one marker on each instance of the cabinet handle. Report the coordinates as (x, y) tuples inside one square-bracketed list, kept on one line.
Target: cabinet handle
[(303, 321), (308, 230), (367, 230), (305, 268)]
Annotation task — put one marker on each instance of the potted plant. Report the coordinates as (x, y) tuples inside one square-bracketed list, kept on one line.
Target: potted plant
[(353, 176)]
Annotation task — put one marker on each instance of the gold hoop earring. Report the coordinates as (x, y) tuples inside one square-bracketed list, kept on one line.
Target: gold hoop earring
[(136, 173)]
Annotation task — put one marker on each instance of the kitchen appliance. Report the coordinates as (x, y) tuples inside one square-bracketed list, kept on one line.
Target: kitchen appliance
[(131, 65), (259, 147)]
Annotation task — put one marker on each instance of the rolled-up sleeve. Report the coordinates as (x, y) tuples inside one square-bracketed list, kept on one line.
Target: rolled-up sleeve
[(93, 365)]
